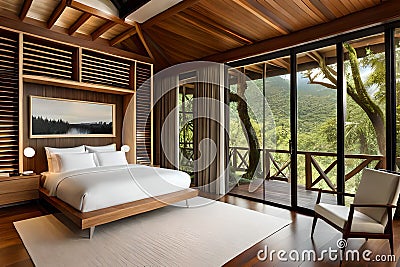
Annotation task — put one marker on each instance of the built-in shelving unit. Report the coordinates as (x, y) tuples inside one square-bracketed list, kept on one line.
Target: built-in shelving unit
[(76, 85), (26, 58), (50, 62)]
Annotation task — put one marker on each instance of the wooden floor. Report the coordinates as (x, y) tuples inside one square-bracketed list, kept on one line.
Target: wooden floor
[(279, 192), (293, 236)]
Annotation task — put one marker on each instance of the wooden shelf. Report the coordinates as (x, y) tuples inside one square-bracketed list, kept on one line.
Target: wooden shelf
[(76, 85)]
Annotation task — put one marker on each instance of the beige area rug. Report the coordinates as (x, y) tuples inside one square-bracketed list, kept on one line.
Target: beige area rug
[(208, 235)]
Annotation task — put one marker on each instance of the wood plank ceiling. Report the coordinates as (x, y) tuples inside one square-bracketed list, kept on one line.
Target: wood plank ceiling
[(192, 29)]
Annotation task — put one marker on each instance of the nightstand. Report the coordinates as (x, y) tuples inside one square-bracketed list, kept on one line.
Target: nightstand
[(19, 188)]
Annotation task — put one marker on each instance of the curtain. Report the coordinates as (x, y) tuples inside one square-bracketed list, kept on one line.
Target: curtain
[(166, 120), (210, 130), (210, 121)]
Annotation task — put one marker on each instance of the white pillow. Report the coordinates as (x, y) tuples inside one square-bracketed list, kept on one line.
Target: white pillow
[(75, 161), (107, 148), (52, 163), (111, 158)]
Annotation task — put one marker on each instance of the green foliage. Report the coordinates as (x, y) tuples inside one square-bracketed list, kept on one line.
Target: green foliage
[(317, 117)]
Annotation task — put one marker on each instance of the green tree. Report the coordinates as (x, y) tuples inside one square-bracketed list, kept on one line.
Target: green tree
[(251, 134), (357, 89)]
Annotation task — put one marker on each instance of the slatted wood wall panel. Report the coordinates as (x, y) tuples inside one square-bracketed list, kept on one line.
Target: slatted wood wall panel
[(143, 111), (102, 69), (9, 84), (48, 59)]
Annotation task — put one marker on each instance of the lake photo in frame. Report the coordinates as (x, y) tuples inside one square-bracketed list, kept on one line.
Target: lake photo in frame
[(56, 117)]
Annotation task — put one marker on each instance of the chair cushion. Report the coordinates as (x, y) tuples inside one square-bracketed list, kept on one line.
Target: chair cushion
[(377, 187), (338, 215)]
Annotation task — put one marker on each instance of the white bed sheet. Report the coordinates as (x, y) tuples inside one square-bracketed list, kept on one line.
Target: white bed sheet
[(102, 187)]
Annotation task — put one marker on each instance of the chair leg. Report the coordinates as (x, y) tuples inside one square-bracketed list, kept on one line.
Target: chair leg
[(342, 249), (391, 244), (314, 223)]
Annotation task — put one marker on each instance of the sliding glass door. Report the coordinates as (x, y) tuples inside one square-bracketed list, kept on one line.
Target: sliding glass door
[(277, 187), (261, 130), (316, 125), (365, 131), (333, 109), (245, 131)]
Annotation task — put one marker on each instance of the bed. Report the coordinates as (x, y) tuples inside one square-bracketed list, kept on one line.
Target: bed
[(101, 194)]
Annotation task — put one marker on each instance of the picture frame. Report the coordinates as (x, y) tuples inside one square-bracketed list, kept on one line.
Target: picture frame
[(64, 118)]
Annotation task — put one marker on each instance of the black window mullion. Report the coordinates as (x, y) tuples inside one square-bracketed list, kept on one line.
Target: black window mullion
[(390, 64), (293, 128), (341, 118)]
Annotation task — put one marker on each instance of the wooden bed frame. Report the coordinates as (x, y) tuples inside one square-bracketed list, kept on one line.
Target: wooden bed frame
[(89, 220)]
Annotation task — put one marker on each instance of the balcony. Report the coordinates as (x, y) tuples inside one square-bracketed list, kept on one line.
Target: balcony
[(273, 183)]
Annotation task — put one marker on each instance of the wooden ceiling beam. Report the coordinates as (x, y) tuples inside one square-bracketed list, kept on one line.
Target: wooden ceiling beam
[(273, 63), (282, 63), (205, 28), (24, 9), (315, 55), (318, 8), (79, 22), (385, 12), (102, 29), (269, 21), (169, 12), (126, 34), (56, 13), (98, 13), (255, 68), (126, 7), (213, 27), (163, 61), (143, 40)]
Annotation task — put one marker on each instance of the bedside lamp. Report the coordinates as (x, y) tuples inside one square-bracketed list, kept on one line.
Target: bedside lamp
[(29, 152), (125, 148)]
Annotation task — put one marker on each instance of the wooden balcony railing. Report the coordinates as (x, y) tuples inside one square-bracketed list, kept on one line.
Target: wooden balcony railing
[(274, 170)]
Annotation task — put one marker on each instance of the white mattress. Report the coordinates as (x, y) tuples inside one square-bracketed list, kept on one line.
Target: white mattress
[(102, 187)]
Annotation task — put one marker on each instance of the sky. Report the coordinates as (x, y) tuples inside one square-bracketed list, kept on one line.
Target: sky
[(70, 111)]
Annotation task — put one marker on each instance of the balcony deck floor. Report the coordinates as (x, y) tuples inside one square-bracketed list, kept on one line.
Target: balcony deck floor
[(279, 192)]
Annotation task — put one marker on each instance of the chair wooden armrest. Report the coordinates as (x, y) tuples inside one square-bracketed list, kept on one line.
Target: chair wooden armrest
[(389, 208), (320, 191), (373, 205)]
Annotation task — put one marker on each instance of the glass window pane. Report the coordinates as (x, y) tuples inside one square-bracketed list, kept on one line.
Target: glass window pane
[(267, 96), (365, 143), (186, 154), (317, 125), (397, 47)]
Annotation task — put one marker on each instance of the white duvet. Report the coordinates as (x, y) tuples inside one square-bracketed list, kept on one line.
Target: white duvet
[(102, 187)]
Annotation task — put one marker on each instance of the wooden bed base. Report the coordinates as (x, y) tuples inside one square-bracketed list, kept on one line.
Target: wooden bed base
[(89, 220)]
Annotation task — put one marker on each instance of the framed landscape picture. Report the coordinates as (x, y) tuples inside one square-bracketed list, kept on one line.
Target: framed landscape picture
[(57, 118)]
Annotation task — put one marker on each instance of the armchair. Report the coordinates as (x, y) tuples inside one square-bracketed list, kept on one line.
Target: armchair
[(371, 214)]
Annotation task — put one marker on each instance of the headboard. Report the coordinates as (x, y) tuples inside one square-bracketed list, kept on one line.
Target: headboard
[(39, 162)]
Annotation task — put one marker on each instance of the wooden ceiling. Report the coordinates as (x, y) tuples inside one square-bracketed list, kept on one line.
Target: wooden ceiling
[(192, 29)]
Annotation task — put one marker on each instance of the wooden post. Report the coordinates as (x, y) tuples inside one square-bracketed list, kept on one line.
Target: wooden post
[(234, 157), (308, 170), (267, 165)]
